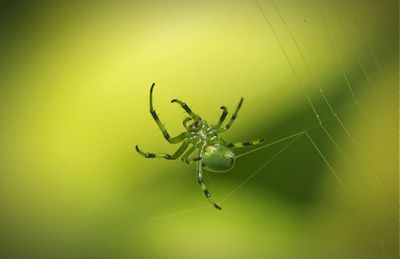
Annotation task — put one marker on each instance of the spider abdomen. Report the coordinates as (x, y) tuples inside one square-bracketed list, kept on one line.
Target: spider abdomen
[(218, 158)]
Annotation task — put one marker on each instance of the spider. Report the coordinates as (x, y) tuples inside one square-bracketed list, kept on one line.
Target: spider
[(214, 154)]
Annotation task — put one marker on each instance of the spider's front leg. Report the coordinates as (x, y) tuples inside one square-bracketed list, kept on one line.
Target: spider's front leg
[(185, 122), (200, 180), (233, 118), (164, 131), (193, 115), (223, 116), (174, 156)]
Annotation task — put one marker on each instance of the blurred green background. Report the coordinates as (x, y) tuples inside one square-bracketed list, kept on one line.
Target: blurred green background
[(74, 82)]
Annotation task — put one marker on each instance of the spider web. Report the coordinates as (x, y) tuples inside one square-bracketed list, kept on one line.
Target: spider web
[(325, 114)]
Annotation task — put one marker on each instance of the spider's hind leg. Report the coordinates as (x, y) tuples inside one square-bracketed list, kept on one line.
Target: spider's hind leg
[(174, 156), (203, 186), (246, 143), (186, 157)]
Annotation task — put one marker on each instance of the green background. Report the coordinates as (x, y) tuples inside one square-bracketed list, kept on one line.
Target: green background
[(74, 84)]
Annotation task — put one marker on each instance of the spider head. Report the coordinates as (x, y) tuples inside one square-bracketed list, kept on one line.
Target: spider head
[(218, 158), (194, 126), (198, 125)]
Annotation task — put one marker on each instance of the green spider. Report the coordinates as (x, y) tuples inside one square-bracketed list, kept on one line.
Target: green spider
[(214, 153)]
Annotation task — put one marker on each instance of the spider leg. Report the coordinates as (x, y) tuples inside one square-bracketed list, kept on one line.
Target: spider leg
[(246, 144), (185, 121), (233, 118), (186, 157), (193, 115), (203, 186), (192, 160), (174, 156), (223, 116), (153, 113)]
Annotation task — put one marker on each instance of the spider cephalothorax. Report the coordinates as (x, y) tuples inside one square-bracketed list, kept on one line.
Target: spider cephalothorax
[(212, 152)]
